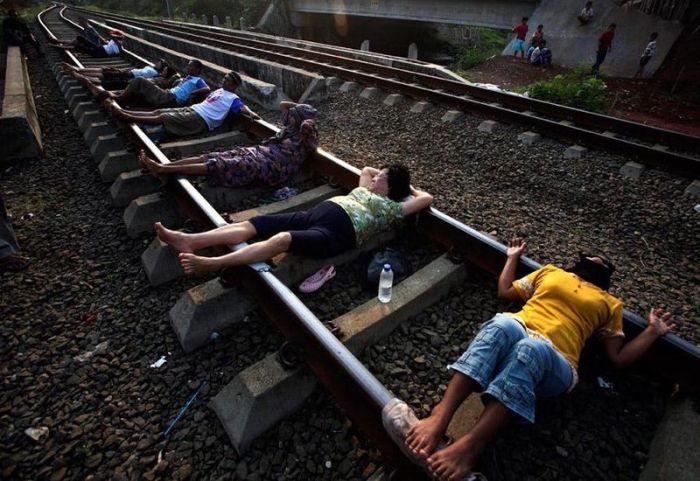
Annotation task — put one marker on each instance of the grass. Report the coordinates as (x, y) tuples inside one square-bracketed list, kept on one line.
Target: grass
[(485, 43), (576, 89)]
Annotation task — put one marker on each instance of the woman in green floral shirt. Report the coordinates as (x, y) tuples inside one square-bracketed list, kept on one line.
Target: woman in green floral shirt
[(382, 197)]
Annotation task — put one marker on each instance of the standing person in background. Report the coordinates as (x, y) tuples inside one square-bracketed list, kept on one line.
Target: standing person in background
[(648, 53), (604, 46), (586, 14), (520, 36), (17, 33), (10, 259)]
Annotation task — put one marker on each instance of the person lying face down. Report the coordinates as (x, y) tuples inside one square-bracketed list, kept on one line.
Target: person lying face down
[(272, 163), (517, 357), (182, 121), (341, 223)]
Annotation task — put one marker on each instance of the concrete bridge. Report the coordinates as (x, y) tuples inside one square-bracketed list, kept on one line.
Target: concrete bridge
[(485, 13)]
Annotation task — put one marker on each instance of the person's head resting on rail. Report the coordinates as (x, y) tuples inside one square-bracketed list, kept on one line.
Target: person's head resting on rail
[(82, 21), (161, 65), (231, 81), (596, 269), (392, 181), (194, 67)]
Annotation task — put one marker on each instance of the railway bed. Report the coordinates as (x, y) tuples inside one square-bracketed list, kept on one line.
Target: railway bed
[(438, 226)]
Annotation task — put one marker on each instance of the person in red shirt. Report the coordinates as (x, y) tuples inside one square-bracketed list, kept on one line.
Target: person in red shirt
[(520, 35), (604, 46)]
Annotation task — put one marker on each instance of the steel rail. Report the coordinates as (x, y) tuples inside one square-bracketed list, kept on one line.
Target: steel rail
[(357, 390), (678, 163), (677, 140)]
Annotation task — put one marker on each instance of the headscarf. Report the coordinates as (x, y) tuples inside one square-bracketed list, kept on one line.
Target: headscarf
[(299, 112)]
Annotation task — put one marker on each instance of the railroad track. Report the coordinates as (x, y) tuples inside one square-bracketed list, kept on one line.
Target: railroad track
[(655, 146), (357, 390)]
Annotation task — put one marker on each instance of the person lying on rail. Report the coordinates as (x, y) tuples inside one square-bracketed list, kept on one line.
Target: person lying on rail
[(80, 44), (112, 78), (87, 39), (182, 121), (273, 162), (336, 225), (189, 90), (535, 352)]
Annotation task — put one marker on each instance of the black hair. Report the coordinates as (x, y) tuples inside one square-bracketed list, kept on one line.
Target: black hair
[(399, 180), (540, 26), (593, 272), (654, 35), (525, 19), (612, 25), (234, 77), (196, 64)]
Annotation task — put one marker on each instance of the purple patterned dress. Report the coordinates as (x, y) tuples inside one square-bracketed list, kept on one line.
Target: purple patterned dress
[(271, 163)]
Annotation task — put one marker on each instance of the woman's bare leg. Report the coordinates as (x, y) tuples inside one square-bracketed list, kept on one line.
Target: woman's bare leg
[(260, 251), (457, 460), (224, 235), (425, 436)]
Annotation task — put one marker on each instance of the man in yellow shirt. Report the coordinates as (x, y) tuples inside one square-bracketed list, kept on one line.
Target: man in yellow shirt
[(534, 352)]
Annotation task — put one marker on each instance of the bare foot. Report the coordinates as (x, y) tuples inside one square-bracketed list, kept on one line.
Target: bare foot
[(177, 240), (193, 264), (456, 461), (149, 164), (425, 436)]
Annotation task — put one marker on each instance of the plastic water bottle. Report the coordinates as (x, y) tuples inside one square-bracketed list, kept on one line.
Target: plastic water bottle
[(386, 280)]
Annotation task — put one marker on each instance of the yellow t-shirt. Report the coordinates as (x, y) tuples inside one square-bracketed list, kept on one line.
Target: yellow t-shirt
[(567, 310)]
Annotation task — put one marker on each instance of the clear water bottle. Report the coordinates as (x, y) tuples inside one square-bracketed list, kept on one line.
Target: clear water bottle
[(386, 280)]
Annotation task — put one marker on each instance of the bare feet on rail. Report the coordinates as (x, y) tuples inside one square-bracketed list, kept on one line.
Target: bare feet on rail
[(425, 436), (149, 164), (456, 461), (177, 240), (193, 264)]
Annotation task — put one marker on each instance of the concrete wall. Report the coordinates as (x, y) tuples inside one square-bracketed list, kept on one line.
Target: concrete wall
[(19, 124), (486, 13), (573, 44)]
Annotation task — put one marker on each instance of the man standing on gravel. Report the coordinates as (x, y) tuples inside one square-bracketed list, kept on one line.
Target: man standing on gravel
[(520, 36), (516, 357), (604, 46), (10, 259)]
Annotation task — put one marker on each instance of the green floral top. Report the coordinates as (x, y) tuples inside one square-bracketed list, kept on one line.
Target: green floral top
[(370, 213)]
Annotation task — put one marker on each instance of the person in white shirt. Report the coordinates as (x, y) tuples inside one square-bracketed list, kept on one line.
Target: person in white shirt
[(184, 121), (586, 14), (111, 48), (649, 52), (109, 77)]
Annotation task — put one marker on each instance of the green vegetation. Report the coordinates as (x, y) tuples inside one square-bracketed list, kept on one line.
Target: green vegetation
[(250, 10), (576, 89), (484, 43)]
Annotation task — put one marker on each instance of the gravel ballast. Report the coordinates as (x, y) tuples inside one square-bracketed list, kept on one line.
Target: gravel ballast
[(86, 292)]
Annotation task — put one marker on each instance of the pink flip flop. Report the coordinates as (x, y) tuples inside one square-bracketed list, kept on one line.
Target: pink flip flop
[(317, 280)]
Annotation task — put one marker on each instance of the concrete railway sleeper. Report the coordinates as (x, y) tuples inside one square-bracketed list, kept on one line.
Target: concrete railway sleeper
[(599, 131), (248, 407)]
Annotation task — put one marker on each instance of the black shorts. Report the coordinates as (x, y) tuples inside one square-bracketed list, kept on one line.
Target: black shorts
[(324, 231)]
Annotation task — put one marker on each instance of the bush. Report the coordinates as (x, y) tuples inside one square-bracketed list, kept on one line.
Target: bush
[(576, 89)]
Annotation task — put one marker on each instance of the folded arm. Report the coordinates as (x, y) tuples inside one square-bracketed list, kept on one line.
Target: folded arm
[(418, 201)]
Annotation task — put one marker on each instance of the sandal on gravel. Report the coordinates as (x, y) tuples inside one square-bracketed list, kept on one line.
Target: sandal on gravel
[(317, 280), (14, 263)]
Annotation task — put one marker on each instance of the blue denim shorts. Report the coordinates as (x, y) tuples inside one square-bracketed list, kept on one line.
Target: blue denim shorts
[(512, 367), (519, 45)]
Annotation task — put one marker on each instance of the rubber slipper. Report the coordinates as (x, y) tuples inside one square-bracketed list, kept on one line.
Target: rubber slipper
[(317, 280)]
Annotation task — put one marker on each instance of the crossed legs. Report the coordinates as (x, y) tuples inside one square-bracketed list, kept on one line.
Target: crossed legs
[(188, 166), (224, 235)]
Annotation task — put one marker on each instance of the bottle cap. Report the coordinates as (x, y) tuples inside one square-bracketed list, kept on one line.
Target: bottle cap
[(387, 267)]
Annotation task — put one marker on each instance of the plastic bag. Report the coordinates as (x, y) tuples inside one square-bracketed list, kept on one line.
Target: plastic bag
[(371, 265)]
